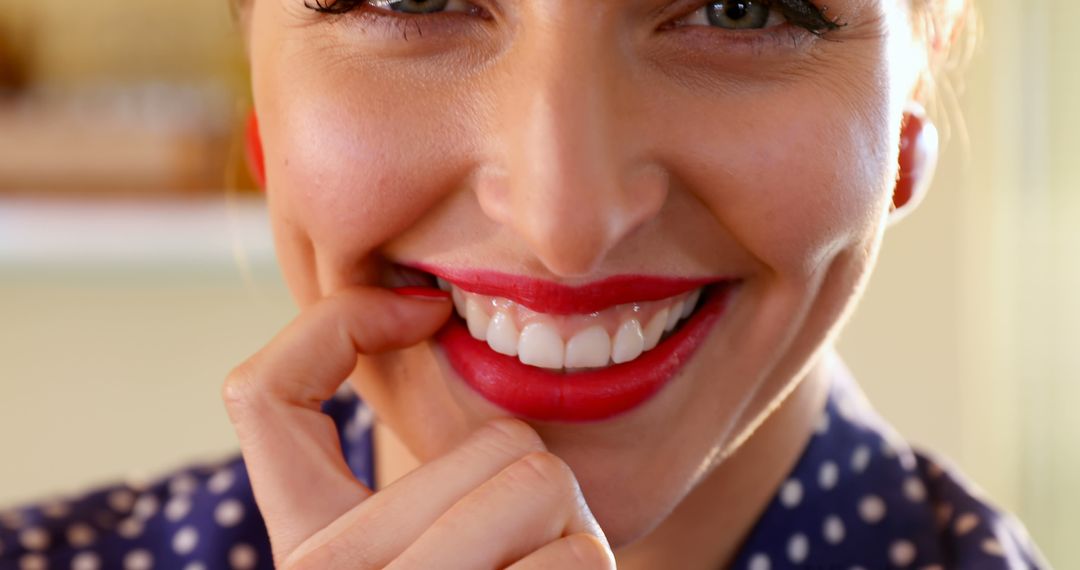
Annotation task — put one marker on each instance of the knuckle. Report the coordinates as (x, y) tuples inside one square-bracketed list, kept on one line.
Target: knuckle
[(239, 392), (512, 435), (237, 389), (543, 470), (588, 551)]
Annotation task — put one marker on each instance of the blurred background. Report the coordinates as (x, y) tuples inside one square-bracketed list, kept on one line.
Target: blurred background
[(135, 270)]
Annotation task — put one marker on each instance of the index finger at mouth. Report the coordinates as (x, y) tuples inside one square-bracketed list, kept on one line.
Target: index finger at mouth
[(292, 450)]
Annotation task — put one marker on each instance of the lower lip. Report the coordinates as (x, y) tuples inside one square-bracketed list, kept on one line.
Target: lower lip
[(547, 395)]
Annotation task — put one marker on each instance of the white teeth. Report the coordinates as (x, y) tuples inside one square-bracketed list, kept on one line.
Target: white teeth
[(691, 303), (629, 342), (502, 335), (459, 301), (540, 345), (674, 316), (655, 329), (590, 348), (477, 318)]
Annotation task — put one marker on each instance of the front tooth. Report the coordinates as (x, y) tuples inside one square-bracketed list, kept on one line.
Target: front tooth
[(655, 329), (540, 345), (629, 342), (443, 283), (502, 335), (459, 302), (590, 348), (477, 318), (691, 303), (673, 316)]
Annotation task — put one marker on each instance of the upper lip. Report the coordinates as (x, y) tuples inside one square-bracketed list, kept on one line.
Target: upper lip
[(556, 298)]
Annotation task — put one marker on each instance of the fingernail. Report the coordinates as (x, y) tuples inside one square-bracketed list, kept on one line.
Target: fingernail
[(430, 293)]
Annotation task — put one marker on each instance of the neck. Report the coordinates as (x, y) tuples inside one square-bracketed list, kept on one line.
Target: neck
[(707, 528)]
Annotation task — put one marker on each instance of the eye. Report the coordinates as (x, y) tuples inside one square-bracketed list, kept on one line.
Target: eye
[(422, 6), (735, 15)]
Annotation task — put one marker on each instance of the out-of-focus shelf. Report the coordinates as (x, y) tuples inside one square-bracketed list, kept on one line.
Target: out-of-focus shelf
[(223, 231), (142, 139)]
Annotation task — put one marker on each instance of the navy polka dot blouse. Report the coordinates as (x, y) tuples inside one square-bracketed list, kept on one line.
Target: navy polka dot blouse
[(859, 497)]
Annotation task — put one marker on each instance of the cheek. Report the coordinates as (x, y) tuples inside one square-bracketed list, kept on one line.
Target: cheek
[(352, 171), (800, 174)]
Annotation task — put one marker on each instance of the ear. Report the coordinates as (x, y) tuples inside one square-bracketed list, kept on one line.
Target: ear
[(918, 160)]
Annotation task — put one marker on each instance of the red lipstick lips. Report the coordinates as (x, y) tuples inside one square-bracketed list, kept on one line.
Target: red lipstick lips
[(558, 299), (584, 395)]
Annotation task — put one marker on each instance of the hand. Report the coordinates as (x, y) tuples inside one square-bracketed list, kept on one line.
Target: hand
[(499, 499)]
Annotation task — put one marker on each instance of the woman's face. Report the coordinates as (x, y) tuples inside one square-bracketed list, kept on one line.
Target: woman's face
[(574, 141)]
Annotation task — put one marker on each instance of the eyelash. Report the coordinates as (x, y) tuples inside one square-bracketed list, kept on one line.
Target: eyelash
[(799, 13)]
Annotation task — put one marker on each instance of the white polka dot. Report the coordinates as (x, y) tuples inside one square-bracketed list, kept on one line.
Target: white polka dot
[(902, 552), (791, 493), (195, 566), (33, 562), (242, 557), (130, 528), (185, 540), (35, 538), (56, 509), (798, 547), (993, 547), (847, 408), (871, 509), (833, 529), (828, 475), (229, 513), (86, 561), (146, 507), (121, 500), (183, 484), (822, 424), (860, 458), (914, 489), (965, 523), (359, 424), (81, 535), (221, 481), (177, 508), (759, 561), (139, 560)]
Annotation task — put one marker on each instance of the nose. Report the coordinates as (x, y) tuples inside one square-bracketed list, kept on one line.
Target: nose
[(572, 180)]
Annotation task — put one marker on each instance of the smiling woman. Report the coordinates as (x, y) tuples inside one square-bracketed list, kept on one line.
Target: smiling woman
[(584, 264)]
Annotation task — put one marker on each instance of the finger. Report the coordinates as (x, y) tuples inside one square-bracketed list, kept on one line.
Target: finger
[(534, 501), (581, 551), (292, 451), (378, 530)]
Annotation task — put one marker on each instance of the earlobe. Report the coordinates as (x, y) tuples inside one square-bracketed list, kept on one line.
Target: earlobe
[(918, 159)]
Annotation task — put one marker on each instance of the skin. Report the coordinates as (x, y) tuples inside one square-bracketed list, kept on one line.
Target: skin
[(567, 141)]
